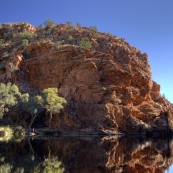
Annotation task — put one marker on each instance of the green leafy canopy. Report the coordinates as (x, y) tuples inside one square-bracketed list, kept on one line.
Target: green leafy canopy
[(50, 100), (10, 96)]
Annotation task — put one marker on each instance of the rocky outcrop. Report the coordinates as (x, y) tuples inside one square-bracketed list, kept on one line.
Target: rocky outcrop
[(108, 88)]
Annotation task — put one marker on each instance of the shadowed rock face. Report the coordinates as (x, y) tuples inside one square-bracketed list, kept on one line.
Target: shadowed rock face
[(108, 88), (91, 154)]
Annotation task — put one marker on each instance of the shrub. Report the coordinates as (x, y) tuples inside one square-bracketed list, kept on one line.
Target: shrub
[(78, 24), (70, 39), (25, 35), (69, 23), (8, 35), (85, 44), (90, 34), (94, 28), (25, 42), (97, 36), (5, 54), (25, 23), (40, 26), (58, 47), (51, 164), (49, 22), (6, 167)]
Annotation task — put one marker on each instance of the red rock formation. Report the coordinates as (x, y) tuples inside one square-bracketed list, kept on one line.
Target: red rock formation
[(109, 88)]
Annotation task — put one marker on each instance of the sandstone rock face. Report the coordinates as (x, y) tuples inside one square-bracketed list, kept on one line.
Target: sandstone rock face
[(108, 88)]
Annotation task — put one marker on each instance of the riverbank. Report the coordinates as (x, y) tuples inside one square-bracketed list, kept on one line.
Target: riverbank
[(18, 133), (12, 133)]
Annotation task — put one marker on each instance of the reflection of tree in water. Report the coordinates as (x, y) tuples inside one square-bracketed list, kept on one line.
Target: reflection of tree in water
[(51, 165), (86, 154), (22, 158), (5, 168)]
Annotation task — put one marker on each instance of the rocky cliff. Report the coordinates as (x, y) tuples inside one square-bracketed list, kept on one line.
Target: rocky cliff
[(108, 87)]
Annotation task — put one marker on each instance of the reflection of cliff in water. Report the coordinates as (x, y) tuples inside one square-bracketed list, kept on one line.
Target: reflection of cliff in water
[(87, 154)]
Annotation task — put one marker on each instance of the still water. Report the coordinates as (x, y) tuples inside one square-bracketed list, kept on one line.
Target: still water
[(87, 155)]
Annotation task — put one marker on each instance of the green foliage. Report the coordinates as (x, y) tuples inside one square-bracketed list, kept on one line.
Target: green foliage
[(69, 24), (48, 32), (25, 42), (19, 170), (31, 106), (70, 39), (97, 35), (93, 28), (11, 133), (49, 22), (58, 47), (52, 165), (40, 26), (10, 96), (25, 23), (78, 24), (0, 26), (50, 100), (6, 168), (85, 44), (5, 54), (8, 35), (25, 35), (90, 34)]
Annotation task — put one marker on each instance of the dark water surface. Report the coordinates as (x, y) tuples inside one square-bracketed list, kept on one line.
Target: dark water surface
[(87, 155)]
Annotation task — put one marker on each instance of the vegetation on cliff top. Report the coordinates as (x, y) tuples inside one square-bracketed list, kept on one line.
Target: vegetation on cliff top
[(19, 35)]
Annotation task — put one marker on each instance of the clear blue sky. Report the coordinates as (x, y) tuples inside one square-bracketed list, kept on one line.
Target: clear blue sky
[(145, 24)]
